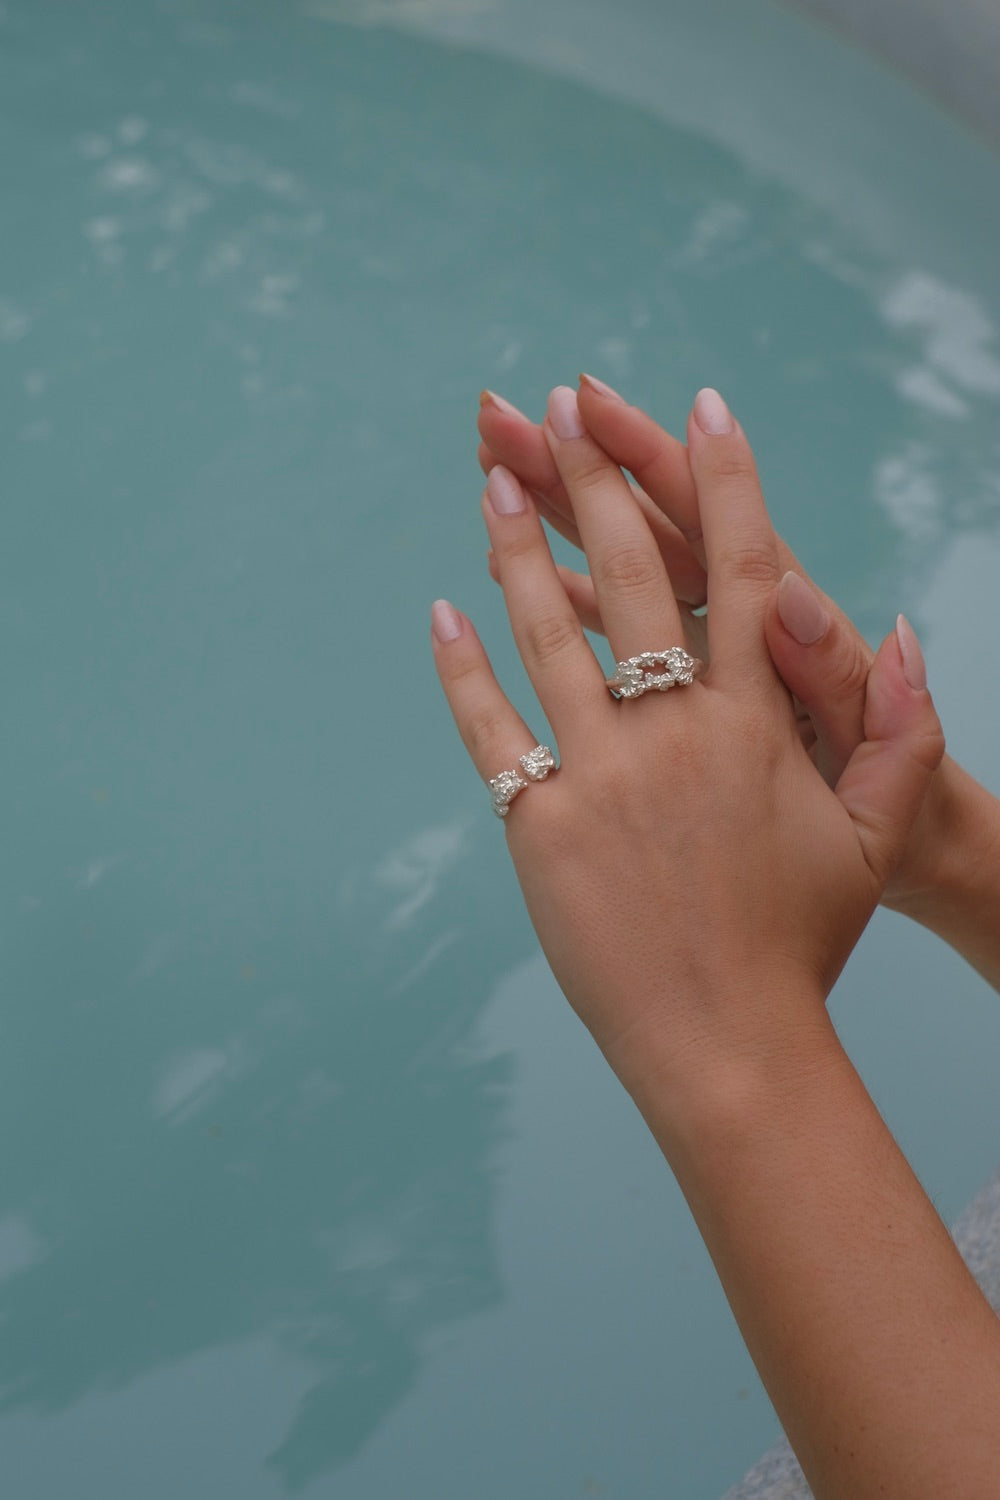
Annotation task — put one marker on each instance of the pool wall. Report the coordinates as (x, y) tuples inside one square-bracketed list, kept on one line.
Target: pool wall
[(953, 49)]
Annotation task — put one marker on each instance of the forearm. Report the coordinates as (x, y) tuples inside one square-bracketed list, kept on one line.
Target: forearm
[(959, 899), (876, 1346)]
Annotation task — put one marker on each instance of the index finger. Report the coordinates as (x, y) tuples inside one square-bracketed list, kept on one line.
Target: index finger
[(741, 549)]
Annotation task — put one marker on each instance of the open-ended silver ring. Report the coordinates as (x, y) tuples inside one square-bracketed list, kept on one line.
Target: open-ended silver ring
[(534, 766), (636, 676)]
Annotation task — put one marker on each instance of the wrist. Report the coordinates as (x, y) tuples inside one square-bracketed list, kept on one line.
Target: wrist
[(959, 835), (756, 1045)]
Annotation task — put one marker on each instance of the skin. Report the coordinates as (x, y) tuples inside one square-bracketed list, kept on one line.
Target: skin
[(703, 977), (948, 875)]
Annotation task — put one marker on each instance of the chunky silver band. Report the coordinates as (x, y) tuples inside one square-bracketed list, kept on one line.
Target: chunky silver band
[(635, 676), (535, 766)]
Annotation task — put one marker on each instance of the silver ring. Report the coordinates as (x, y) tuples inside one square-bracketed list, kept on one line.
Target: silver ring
[(634, 677), (535, 766)]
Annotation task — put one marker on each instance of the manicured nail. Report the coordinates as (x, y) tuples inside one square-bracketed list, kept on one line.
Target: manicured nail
[(801, 613), (506, 495), (446, 622), (592, 382), (564, 414), (914, 666), (490, 398), (712, 414)]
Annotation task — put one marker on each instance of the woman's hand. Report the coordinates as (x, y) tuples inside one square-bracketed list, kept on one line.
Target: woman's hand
[(819, 654), (689, 875), (696, 887)]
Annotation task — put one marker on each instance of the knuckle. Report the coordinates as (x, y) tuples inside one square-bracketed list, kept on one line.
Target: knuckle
[(460, 667), (846, 674), (629, 566), (734, 466), (591, 471), (549, 636), (480, 731), (928, 747), (750, 561), (516, 545)]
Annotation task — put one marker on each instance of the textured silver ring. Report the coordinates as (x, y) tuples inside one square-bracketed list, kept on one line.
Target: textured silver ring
[(534, 766), (636, 676)]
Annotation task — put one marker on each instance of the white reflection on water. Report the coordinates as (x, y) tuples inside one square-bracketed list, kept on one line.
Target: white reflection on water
[(415, 870), (395, 12), (907, 493), (956, 332), (187, 1083), (20, 1246)]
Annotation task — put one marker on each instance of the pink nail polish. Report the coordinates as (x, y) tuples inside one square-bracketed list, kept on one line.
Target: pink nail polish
[(564, 414), (601, 388), (446, 622), (712, 414), (506, 494), (800, 611), (914, 666)]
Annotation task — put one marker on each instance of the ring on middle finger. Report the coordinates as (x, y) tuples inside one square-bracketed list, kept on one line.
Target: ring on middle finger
[(637, 674)]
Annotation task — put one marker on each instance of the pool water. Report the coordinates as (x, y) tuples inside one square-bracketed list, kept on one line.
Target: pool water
[(311, 1183)]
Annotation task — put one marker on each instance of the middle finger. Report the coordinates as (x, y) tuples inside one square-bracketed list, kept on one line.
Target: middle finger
[(633, 592)]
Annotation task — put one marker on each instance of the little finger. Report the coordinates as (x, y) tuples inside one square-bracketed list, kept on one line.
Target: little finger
[(492, 730)]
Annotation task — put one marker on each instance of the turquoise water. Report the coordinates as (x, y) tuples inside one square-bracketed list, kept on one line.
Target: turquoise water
[(310, 1182)]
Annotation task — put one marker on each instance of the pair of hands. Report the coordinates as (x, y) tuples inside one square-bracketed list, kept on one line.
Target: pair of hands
[(694, 880)]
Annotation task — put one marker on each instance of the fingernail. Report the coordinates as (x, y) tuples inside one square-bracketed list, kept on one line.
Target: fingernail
[(564, 414), (914, 666), (506, 495), (490, 398), (712, 414), (446, 622), (602, 390), (801, 613)]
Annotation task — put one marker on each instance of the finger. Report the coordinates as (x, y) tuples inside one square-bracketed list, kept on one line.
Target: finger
[(633, 591), (492, 730), (579, 592), (656, 459), (517, 443), (740, 544), (825, 662), (563, 669), (509, 438), (887, 777)]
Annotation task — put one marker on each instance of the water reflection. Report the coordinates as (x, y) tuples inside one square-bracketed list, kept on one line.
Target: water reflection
[(213, 1152)]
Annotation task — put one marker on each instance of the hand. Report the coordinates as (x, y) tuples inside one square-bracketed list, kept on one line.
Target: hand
[(820, 655), (686, 857)]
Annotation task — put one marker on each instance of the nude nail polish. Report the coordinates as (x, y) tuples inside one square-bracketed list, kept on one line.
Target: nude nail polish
[(712, 414), (564, 414), (506, 494), (914, 666), (801, 613), (446, 622)]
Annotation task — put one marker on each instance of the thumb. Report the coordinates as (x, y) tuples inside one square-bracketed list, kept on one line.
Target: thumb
[(824, 662), (885, 780)]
